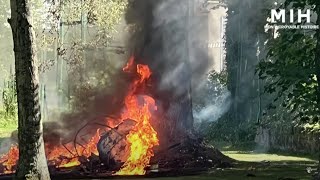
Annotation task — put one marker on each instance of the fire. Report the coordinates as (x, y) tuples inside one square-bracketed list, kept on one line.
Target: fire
[(69, 159), (10, 159), (142, 138)]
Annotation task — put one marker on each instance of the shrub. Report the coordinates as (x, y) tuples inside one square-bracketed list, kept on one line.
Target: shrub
[(9, 110)]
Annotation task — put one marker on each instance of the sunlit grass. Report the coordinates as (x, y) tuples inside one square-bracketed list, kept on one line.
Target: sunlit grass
[(259, 157)]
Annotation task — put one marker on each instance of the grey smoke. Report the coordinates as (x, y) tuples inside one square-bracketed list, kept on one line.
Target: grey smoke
[(5, 145), (183, 37), (178, 31), (213, 109)]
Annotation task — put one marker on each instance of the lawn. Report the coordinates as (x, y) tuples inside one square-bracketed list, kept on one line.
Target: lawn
[(252, 156)]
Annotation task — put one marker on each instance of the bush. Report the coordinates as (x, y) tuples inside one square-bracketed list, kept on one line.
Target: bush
[(7, 121), (9, 110), (224, 130)]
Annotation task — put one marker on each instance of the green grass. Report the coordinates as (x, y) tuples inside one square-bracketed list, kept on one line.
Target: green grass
[(251, 147), (259, 157)]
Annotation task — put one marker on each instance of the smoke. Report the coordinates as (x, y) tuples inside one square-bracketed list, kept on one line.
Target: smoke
[(5, 145), (167, 35), (170, 42), (213, 109), (174, 41)]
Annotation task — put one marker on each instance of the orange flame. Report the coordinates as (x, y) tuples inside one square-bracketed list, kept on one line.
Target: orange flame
[(62, 156), (10, 159), (141, 139), (59, 156)]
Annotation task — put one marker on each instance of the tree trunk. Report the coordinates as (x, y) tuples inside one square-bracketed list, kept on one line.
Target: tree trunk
[(32, 160)]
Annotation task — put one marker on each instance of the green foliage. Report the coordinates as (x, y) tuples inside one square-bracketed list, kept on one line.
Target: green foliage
[(289, 71), (104, 13), (225, 130), (9, 98), (220, 78), (7, 121), (8, 114)]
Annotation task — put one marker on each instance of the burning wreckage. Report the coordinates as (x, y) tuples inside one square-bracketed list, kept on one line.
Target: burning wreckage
[(129, 145), (147, 129)]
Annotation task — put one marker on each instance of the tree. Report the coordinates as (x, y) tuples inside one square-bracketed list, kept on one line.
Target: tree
[(292, 69), (32, 160), (244, 39), (292, 73)]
